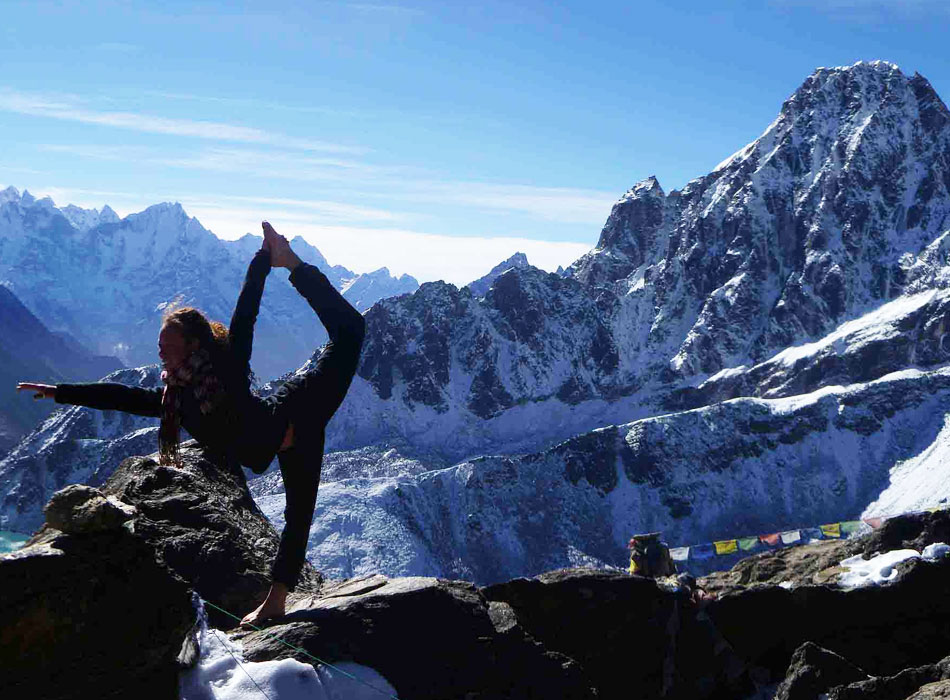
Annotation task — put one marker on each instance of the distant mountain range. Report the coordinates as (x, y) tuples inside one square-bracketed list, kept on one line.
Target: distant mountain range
[(763, 349), (30, 352), (105, 280)]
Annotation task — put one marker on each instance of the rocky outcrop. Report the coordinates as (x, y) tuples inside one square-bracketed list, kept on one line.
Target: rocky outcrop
[(90, 614)]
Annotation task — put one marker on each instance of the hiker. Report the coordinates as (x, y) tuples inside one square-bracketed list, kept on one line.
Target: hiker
[(649, 556), (206, 373)]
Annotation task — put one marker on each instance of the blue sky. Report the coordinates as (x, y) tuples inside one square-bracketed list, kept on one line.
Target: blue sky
[(432, 138)]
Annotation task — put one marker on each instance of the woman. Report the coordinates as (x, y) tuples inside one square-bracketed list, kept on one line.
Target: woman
[(206, 372)]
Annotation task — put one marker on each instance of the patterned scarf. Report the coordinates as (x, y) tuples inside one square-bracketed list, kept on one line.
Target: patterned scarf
[(196, 372)]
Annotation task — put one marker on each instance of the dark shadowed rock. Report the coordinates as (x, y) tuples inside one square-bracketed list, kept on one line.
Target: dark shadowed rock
[(429, 638), (813, 671), (897, 687), (204, 526), (90, 616)]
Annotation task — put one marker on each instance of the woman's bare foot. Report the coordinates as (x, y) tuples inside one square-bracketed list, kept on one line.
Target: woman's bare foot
[(273, 606), (280, 253)]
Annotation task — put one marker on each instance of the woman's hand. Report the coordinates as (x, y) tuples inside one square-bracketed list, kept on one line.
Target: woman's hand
[(43, 391), (280, 253)]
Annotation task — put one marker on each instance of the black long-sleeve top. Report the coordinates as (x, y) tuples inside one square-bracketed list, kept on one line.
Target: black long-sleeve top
[(249, 429)]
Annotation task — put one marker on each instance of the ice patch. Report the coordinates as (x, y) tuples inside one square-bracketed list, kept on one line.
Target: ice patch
[(222, 674), (935, 551), (875, 571)]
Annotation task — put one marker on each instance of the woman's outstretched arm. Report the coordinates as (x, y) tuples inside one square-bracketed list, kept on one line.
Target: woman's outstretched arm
[(241, 331), (105, 396)]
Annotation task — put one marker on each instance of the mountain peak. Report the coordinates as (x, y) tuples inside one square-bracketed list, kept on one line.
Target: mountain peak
[(10, 194), (481, 286), (649, 187)]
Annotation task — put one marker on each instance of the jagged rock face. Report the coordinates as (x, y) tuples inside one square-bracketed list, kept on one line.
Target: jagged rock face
[(739, 468), (908, 332), (106, 280), (441, 362), (818, 219), (481, 286), (839, 207)]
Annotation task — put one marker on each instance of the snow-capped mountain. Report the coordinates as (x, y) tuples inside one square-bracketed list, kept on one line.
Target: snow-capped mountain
[(839, 207), (481, 286), (105, 281), (741, 467), (766, 346)]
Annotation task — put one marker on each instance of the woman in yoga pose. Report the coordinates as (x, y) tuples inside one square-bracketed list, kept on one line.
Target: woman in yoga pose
[(206, 376)]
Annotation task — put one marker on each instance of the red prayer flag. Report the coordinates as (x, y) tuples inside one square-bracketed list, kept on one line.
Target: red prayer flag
[(874, 522), (770, 539)]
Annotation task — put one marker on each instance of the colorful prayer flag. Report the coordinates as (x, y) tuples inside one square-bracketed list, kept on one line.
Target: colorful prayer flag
[(791, 537), (771, 540), (832, 530), (811, 533), (726, 547), (702, 551), (747, 544), (874, 522), (679, 553)]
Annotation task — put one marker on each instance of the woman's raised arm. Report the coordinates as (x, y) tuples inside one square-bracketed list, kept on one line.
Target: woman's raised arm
[(241, 330)]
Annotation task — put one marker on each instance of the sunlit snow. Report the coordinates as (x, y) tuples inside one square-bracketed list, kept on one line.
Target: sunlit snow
[(881, 568)]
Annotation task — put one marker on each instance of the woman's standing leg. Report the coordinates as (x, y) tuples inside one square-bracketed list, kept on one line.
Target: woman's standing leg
[(309, 401), (300, 469)]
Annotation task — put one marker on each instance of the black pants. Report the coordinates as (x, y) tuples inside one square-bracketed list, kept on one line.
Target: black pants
[(308, 401), (300, 469)]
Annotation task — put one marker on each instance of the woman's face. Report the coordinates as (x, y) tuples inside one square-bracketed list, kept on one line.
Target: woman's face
[(173, 349)]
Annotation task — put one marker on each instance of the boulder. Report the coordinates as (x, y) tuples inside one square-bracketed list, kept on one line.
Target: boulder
[(429, 638), (90, 615), (813, 671), (204, 526), (79, 509), (898, 687)]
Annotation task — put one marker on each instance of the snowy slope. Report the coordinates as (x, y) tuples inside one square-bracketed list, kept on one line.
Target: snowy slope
[(746, 466)]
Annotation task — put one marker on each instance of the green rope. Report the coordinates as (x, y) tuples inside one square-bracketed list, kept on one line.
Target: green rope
[(302, 651)]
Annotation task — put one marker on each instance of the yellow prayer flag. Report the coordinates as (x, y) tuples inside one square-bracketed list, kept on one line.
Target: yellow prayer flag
[(727, 547), (831, 530)]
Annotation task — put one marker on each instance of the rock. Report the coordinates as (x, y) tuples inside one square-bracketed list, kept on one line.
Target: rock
[(205, 527), (90, 616), (882, 629), (429, 638), (633, 637), (813, 671), (897, 687), (932, 691), (82, 509)]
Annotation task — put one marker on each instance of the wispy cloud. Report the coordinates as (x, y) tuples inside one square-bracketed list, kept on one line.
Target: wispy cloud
[(42, 106), (357, 181), (549, 203)]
